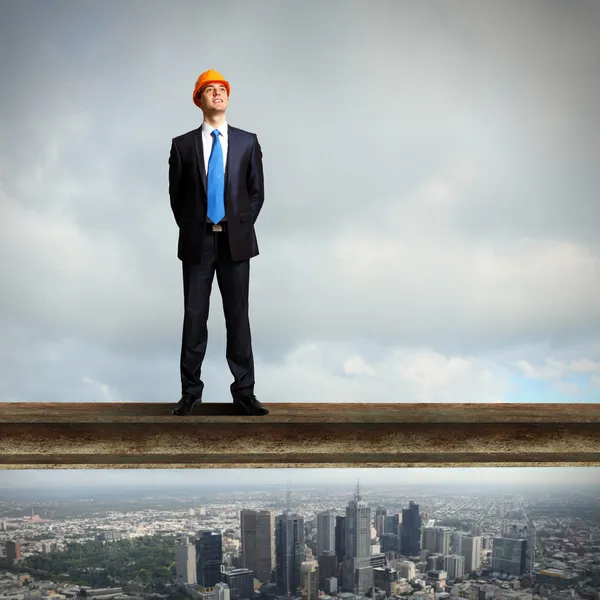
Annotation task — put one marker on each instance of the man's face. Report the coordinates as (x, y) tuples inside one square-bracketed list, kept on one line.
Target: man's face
[(213, 98)]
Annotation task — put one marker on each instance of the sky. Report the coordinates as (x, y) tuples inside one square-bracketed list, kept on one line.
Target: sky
[(572, 478), (429, 231)]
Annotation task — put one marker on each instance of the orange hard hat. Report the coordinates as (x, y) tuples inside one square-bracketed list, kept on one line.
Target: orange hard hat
[(210, 76)]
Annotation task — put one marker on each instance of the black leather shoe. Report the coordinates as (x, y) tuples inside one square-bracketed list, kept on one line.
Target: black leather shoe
[(186, 405), (250, 406)]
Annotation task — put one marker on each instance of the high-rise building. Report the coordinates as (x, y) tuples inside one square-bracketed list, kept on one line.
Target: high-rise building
[(185, 561), (222, 591), (289, 552), (471, 550), (456, 546), (257, 532), (357, 571), (209, 558), (430, 538), (325, 532), (380, 519), (454, 565), (509, 556), (410, 537), (328, 567), (392, 525), (407, 570), (310, 580), (385, 579), (240, 583), (340, 537), (437, 539), (13, 550), (444, 540)]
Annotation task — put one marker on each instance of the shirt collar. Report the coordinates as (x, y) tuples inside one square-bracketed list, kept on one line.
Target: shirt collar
[(208, 129)]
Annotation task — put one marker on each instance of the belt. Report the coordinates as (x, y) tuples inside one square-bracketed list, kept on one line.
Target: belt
[(216, 227)]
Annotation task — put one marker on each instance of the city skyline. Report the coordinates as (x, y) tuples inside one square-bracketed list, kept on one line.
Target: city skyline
[(397, 546)]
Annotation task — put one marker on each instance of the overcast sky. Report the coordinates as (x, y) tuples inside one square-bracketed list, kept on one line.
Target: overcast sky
[(572, 477), (430, 225)]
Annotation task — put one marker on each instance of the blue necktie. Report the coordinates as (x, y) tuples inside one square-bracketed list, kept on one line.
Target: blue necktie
[(216, 181)]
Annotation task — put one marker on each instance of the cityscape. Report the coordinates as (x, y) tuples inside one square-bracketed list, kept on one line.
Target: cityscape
[(286, 541)]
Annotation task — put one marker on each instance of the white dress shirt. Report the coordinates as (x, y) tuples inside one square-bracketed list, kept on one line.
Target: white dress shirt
[(207, 144)]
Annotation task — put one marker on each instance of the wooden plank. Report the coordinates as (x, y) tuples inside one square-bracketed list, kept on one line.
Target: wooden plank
[(137, 435)]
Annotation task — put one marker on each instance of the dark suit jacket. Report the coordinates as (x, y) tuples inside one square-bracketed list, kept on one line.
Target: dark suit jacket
[(244, 193)]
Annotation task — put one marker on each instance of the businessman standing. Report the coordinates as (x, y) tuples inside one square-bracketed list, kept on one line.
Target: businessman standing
[(216, 192)]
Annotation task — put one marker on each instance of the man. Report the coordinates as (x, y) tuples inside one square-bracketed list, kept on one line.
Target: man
[(216, 191)]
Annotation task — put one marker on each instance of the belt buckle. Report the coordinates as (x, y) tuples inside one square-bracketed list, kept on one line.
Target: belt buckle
[(217, 227)]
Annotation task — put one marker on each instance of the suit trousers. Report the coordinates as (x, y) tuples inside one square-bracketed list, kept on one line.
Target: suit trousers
[(233, 278)]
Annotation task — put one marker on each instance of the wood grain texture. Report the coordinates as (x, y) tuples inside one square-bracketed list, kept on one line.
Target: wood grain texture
[(146, 435)]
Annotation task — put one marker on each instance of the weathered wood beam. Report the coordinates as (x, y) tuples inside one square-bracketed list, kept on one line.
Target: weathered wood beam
[(146, 435)]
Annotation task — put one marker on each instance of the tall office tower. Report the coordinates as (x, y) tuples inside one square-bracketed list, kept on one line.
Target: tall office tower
[(328, 567), (509, 556), (385, 579), (444, 540), (258, 542), (310, 580), (430, 538), (392, 523), (380, 518), (454, 565), (456, 546), (222, 592), (410, 537), (340, 537), (3, 525), (240, 583), (185, 561), (13, 550), (357, 571), (289, 552), (209, 558), (407, 569), (325, 532), (471, 550), (388, 542), (435, 562)]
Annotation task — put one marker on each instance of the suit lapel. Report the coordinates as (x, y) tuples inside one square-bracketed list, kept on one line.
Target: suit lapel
[(200, 157), (232, 155)]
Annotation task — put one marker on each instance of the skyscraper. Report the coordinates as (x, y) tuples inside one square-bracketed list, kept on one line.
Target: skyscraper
[(185, 561), (456, 546), (257, 542), (509, 556), (340, 537), (410, 537), (310, 580), (380, 518), (357, 571), (289, 552), (325, 532), (209, 557), (454, 565), (13, 550), (240, 583), (471, 550)]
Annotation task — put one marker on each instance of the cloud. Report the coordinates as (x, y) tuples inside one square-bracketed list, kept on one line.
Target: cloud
[(430, 225)]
